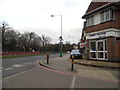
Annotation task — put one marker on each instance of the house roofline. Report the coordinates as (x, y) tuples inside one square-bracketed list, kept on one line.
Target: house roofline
[(100, 8)]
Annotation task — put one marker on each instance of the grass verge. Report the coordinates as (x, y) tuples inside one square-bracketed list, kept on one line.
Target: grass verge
[(17, 56)]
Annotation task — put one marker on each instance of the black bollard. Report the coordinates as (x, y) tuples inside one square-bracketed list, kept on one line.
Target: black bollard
[(47, 58), (72, 65)]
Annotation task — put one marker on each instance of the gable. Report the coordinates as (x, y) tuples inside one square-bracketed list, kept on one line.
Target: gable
[(95, 5)]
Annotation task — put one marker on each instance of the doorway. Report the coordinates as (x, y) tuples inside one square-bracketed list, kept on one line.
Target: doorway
[(98, 50)]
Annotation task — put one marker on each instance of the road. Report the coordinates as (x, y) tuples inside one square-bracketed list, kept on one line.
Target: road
[(13, 66), (41, 77), (32, 75)]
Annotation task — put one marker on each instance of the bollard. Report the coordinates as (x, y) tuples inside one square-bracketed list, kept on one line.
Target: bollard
[(61, 54), (47, 58), (72, 65)]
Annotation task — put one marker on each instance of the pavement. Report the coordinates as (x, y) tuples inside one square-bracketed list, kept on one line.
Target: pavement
[(88, 68), (96, 63)]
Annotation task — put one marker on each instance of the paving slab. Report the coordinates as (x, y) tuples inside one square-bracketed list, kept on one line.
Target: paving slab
[(63, 64)]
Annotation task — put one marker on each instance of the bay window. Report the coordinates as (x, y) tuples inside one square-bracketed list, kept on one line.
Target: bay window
[(90, 21), (107, 15)]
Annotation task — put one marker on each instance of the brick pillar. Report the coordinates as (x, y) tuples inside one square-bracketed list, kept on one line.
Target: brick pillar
[(111, 48), (88, 50), (117, 51)]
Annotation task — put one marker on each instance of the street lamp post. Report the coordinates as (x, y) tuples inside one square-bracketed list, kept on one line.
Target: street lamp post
[(60, 36)]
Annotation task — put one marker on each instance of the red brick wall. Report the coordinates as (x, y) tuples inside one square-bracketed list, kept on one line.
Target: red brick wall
[(100, 27), (117, 51), (113, 49), (117, 19)]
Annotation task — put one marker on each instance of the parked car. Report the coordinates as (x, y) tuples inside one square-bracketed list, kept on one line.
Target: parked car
[(76, 53), (68, 52)]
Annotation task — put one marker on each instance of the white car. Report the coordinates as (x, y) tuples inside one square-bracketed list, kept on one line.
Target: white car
[(76, 53), (68, 52)]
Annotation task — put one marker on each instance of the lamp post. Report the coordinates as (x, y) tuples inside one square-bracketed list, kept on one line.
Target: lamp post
[(60, 36)]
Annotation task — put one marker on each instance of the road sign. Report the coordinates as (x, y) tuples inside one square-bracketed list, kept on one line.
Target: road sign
[(82, 45)]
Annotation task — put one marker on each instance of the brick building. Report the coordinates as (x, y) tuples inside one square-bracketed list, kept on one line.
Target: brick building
[(101, 31)]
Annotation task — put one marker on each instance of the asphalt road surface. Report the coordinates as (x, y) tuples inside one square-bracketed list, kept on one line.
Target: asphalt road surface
[(41, 77), (25, 72), (13, 66)]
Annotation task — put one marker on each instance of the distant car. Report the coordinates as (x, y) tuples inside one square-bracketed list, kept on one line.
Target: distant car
[(76, 53)]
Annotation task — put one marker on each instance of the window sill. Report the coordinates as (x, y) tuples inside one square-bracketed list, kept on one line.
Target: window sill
[(100, 23), (107, 21)]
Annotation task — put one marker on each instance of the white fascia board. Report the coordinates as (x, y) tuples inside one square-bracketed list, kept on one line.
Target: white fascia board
[(105, 33), (105, 30)]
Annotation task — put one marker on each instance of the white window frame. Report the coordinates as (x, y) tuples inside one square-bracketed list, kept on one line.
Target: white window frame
[(100, 51), (106, 15), (104, 51), (91, 50), (90, 21)]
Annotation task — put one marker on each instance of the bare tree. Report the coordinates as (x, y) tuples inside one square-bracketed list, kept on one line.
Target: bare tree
[(4, 27), (14, 41), (10, 40), (67, 43), (45, 41), (29, 41)]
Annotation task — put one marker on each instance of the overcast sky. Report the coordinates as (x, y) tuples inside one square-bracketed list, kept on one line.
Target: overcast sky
[(35, 16)]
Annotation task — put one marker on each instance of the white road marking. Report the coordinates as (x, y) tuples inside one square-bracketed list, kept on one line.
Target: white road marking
[(17, 65), (28, 63), (20, 65), (18, 73), (8, 68), (73, 83)]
